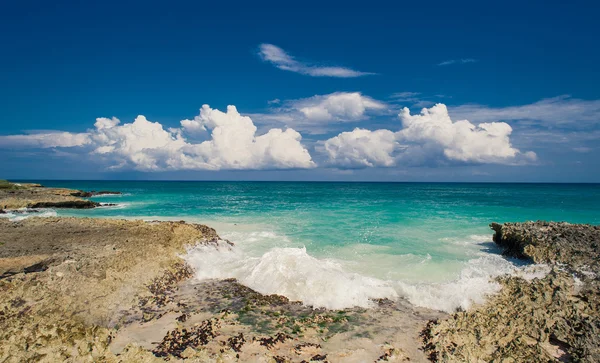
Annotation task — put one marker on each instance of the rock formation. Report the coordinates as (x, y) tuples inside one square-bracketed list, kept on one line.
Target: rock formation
[(14, 196), (554, 318)]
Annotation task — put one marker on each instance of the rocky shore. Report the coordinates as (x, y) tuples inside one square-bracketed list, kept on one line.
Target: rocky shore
[(555, 318), (81, 289), (16, 196), (87, 290)]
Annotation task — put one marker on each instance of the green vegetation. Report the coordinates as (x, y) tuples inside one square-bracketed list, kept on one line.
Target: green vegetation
[(5, 184)]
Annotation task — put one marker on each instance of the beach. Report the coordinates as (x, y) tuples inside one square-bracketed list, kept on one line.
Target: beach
[(139, 289)]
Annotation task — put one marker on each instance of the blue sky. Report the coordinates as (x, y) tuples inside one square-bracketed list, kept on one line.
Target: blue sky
[(319, 69)]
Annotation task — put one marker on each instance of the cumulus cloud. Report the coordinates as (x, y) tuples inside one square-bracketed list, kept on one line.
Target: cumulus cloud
[(340, 106), (282, 60), (429, 135), (235, 145), (148, 146), (460, 140), (362, 148), (318, 114)]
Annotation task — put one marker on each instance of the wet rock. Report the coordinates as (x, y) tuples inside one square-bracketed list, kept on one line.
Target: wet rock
[(76, 204), (555, 318), (84, 194)]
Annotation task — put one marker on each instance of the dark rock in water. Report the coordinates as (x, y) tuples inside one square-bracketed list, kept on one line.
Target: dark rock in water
[(84, 194), (2, 211), (75, 204), (555, 318), (106, 192)]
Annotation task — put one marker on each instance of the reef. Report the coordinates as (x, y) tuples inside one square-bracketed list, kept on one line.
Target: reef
[(27, 195), (553, 318)]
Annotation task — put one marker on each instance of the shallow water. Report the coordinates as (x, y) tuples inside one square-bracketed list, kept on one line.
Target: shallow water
[(340, 244)]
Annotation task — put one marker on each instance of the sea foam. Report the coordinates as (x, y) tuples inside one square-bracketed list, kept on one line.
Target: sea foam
[(24, 213), (293, 273), (335, 284)]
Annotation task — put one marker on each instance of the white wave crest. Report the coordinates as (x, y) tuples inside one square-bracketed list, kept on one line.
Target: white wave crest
[(24, 213), (271, 263), (293, 273), (476, 281), (115, 206)]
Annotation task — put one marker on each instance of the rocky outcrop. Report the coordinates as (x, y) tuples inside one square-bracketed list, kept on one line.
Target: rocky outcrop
[(74, 204), (573, 245), (15, 196), (67, 283), (554, 318), (83, 194)]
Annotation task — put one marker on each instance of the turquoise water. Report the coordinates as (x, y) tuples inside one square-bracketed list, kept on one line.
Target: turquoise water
[(424, 241)]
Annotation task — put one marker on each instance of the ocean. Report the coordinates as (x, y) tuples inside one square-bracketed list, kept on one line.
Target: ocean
[(340, 245)]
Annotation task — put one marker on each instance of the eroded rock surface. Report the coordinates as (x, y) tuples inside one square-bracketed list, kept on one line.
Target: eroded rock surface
[(89, 273), (555, 318), (15, 196)]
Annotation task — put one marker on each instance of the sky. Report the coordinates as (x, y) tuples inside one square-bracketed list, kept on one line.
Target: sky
[(378, 91)]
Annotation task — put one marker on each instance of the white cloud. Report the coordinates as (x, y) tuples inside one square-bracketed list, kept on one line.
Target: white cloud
[(361, 148), (280, 59), (457, 61), (426, 136), (320, 113), (340, 106), (562, 110), (143, 145), (147, 146), (460, 140), (234, 144), (45, 140)]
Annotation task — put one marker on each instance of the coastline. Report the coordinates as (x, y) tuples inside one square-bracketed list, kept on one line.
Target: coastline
[(125, 294)]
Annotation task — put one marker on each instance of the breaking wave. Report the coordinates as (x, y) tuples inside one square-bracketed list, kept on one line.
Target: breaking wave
[(16, 215), (290, 272), (330, 283)]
